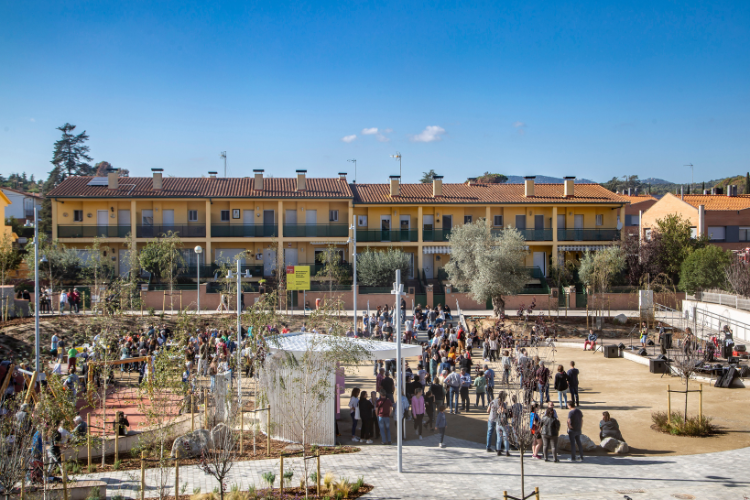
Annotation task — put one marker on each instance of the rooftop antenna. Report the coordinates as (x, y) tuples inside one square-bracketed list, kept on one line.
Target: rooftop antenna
[(691, 174), (397, 156), (354, 160), (223, 154)]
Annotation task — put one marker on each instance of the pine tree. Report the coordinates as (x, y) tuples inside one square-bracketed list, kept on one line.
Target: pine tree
[(71, 154), (688, 189), (747, 183), (703, 189)]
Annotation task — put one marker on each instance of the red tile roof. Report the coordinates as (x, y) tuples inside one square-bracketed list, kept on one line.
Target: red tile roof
[(25, 193), (203, 187), (483, 193), (638, 198), (718, 201)]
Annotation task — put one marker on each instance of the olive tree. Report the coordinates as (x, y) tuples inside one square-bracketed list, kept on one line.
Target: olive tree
[(489, 265), (598, 269), (377, 268), (161, 257)]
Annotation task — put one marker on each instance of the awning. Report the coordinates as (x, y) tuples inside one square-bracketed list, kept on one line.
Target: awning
[(433, 250), (327, 243), (582, 248), (299, 343)]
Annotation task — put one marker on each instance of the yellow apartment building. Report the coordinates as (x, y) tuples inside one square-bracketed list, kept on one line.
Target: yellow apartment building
[(290, 220)]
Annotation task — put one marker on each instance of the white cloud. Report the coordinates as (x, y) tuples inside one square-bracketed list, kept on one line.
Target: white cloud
[(349, 138), (370, 131), (32, 120), (382, 138), (431, 133), (519, 124), (388, 131)]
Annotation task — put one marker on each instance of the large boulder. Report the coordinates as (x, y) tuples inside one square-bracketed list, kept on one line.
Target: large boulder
[(219, 434), (622, 448), (620, 318), (191, 444), (609, 443), (563, 443), (587, 443)]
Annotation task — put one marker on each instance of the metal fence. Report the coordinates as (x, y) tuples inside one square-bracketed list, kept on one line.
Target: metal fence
[(724, 299)]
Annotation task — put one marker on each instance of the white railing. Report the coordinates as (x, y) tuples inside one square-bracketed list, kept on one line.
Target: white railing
[(724, 299)]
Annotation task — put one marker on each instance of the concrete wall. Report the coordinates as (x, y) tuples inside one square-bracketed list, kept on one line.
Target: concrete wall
[(737, 318)]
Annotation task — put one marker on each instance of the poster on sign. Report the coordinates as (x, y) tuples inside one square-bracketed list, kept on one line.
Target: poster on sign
[(298, 277)]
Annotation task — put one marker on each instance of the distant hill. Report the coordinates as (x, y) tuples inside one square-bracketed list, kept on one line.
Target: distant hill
[(654, 181), (543, 179)]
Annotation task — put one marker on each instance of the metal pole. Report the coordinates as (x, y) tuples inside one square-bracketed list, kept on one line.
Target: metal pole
[(37, 348), (239, 337), (399, 404), (198, 281), (354, 269)]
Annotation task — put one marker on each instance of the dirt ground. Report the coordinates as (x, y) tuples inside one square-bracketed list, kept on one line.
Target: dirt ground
[(624, 388)]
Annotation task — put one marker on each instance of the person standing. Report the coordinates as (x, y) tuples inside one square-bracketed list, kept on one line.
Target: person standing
[(453, 381), (573, 384), (441, 422), (492, 423), (63, 300), (365, 413), (418, 410), (542, 379), (575, 427), (383, 409), (550, 432), (388, 387), (72, 353), (465, 385), (480, 386), (561, 385), (644, 334), (354, 412), (489, 375)]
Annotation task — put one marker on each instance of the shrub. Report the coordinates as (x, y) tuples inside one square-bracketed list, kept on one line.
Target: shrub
[(269, 477), (117, 464), (314, 477), (695, 426)]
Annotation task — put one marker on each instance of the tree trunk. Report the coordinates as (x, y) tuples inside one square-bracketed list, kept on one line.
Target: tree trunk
[(687, 382), (498, 305)]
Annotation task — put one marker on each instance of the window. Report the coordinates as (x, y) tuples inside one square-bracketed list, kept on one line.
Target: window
[(631, 220), (717, 233), (362, 220), (333, 215), (599, 219), (648, 234), (745, 234), (77, 215), (498, 221), (467, 219), (693, 232), (225, 215), (192, 216)]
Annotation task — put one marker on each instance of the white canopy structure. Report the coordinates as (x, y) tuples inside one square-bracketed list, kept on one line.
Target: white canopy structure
[(299, 343), (287, 405)]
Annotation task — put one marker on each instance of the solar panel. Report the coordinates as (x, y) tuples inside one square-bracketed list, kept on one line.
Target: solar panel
[(98, 181)]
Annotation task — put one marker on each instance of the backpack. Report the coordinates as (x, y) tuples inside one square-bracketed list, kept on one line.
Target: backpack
[(556, 427)]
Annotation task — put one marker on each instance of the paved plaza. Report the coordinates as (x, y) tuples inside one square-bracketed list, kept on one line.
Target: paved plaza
[(464, 470)]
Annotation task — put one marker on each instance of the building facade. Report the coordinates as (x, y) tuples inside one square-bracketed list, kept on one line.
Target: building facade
[(21, 205), (290, 220)]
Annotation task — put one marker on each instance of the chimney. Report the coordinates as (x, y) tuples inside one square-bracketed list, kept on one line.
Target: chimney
[(301, 180), (701, 220), (112, 177), (212, 175), (628, 191), (682, 194), (570, 186), (705, 191), (731, 190), (258, 184), (635, 191), (437, 186), (157, 177), (395, 188), (342, 176), (528, 190)]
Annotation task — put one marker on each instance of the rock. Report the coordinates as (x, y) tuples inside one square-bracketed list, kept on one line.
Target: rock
[(588, 444), (622, 448), (219, 435), (191, 444), (609, 443), (620, 318), (563, 443)]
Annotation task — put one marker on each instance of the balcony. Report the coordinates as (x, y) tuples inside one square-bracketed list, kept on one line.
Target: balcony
[(244, 231), (183, 231), (316, 230), (93, 231), (435, 234), (376, 235), (588, 234), (531, 234)]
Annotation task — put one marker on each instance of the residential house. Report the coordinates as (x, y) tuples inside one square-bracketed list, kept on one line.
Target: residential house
[(22, 204)]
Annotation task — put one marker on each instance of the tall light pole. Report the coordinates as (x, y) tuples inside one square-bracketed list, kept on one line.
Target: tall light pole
[(239, 327), (37, 291), (353, 240), (354, 160), (398, 291), (198, 251), (223, 154), (397, 156)]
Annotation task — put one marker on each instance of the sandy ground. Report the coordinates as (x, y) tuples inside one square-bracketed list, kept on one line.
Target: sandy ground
[(626, 389)]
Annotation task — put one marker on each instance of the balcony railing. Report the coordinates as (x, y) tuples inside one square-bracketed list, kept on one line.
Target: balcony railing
[(92, 231), (244, 231), (315, 230), (435, 234), (396, 235), (532, 234), (183, 231), (608, 234)]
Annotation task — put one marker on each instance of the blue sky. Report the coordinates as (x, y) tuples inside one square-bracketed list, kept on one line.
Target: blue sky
[(592, 89)]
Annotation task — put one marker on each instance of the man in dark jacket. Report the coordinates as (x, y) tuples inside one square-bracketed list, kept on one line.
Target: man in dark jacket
[(573, 383)]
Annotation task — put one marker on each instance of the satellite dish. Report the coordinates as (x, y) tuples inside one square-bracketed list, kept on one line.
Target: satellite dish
[(619, 223)]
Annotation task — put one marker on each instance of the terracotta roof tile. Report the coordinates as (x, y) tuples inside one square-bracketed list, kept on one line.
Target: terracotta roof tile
[(639, 198), (483, 193), (25, 193), (203, 187), (719, 201)]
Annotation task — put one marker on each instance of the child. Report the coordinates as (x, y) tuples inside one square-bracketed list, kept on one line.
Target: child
[(440, 424)]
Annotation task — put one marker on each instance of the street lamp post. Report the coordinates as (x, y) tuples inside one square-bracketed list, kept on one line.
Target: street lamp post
[(354, 272), (37, 291), (398, 291), (239, 327), (198, 251)]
